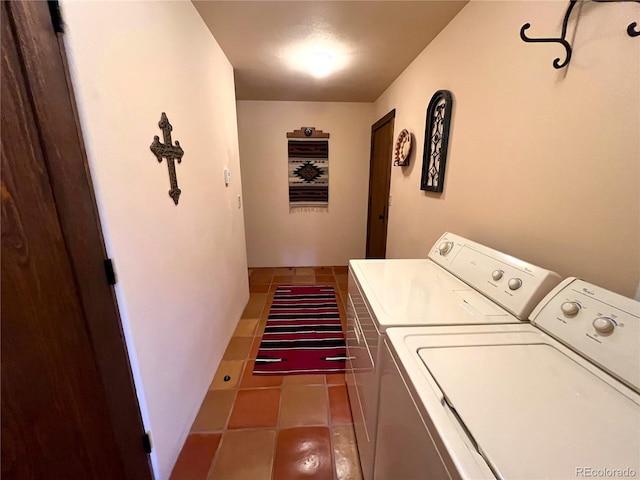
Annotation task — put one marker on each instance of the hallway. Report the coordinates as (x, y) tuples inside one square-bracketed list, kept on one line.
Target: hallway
[(264, 427)]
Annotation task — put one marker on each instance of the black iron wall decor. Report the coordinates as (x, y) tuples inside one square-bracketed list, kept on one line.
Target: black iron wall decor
[(436, 140), (170, 152), (562, 40)]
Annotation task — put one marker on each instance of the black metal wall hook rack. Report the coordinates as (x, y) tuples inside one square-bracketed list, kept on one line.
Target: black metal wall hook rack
[(632, 31)]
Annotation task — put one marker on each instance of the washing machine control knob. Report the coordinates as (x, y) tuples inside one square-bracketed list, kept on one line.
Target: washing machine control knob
[(515, 283), (570, 309), (444, 248), (604, 325), (497, 274)]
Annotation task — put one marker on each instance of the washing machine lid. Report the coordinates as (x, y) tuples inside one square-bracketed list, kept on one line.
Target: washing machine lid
[(406, 292), (534, 411)]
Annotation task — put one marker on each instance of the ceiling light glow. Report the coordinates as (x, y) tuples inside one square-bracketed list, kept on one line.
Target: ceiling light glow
[(321, 64), (319, 55)]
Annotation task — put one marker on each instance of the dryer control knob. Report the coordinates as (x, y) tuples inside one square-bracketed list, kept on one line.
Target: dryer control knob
[(444, 248), (497, 274), (515, 283), (570, 309), (604, 325)]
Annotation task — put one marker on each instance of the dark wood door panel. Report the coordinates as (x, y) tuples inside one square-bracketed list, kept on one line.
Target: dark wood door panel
[(54, 420), (69, 408), (60, 136), (379, 180)]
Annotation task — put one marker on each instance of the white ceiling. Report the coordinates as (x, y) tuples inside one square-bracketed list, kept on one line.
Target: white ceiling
[(372, 42)]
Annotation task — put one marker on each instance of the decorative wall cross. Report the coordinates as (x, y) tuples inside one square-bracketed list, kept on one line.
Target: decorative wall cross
[(170, 152)]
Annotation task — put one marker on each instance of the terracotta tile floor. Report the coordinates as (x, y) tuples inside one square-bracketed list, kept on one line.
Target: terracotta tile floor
[(272, 427)]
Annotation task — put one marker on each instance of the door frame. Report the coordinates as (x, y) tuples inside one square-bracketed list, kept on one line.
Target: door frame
[(389, 117), (45, 67)]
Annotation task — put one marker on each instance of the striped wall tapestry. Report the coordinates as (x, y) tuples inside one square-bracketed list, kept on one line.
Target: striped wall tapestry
[(308, 175)]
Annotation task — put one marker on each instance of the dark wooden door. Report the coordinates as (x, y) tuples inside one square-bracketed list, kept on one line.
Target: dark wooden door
[(379, 183), (69, 409)]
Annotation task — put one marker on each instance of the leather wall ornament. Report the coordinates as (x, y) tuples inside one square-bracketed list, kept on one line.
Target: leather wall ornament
[(402, 149)]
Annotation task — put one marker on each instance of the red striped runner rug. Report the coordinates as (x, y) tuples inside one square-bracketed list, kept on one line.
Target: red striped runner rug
[(303, 333)]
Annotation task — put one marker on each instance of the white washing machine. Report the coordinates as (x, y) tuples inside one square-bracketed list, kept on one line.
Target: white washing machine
[(461, 283), (557, 399)]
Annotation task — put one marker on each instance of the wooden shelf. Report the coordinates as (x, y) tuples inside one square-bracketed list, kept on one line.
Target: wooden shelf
[(304, 133)]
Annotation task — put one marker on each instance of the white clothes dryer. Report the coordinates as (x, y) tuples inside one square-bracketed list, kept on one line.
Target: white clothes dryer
[(461, 283), (555, 399)]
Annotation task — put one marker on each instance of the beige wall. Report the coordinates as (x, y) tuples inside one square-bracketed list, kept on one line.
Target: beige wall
[(543, 164), (182, 281), (276, 237)]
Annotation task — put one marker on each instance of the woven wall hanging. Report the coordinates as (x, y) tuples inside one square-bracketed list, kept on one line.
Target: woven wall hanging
[(308, 152)]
